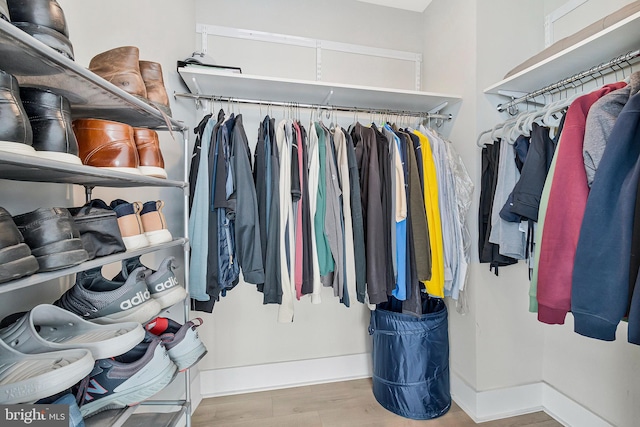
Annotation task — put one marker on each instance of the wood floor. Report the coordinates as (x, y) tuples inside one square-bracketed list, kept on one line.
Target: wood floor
[(349, 403)]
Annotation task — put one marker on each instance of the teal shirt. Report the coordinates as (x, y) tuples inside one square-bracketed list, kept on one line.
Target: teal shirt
[(325, 260)]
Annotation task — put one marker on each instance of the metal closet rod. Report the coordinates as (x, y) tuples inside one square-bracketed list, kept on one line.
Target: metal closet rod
[(315, 106), (562, 84)]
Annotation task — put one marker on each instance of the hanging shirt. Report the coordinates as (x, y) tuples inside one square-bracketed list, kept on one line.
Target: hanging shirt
[(314, 190), (285, 313), (434, 286)]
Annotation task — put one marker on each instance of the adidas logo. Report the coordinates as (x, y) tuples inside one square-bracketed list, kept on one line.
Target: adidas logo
[(137, 300), (168, 284)]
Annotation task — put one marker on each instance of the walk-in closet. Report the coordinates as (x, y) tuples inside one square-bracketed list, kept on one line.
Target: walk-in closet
[(336, 213)]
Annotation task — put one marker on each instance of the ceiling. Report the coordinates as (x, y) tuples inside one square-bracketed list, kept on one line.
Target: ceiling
[(413, 5)]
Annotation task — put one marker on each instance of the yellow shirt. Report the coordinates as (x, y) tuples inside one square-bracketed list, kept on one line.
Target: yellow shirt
[(435, 286)]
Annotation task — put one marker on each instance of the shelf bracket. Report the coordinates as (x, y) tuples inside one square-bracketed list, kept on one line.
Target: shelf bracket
[(205, 40), (88, 189)]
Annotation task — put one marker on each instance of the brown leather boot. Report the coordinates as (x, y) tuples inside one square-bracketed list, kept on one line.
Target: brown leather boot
[(156, 92), (120, 67), (107, 144), (151, 161)]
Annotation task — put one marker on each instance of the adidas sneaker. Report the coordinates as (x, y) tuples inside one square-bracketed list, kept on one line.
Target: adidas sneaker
[(103, 301), (163, 284), (128, 379), (182, 341)]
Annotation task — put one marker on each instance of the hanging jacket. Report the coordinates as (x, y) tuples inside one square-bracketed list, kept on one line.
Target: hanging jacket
[(542, 213), (272, 289), (600, 121), (247, 223), (526, 194), (565, 210), (194, 166), (600, 292), (356, 219), (325, 258), (489, 252), (314, 180), (198, 220), (507, 235), (364, 139), (287, 242), (349, 246), (260, 183), (435, 285), (521, 149)]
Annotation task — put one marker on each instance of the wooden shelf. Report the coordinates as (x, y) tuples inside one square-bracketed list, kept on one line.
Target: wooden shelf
[(615, 40), (203, 81)]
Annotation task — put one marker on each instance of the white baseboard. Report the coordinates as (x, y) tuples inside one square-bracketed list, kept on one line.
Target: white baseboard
[(490, 405), (247, 379)]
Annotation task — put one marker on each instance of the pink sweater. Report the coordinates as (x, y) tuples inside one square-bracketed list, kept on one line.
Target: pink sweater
[(565, 209)]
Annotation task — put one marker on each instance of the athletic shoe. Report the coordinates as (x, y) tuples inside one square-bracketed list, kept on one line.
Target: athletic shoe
[(154, 223), (182, 341), (105, 301), (130, 224), (128, 379), (162, 284), (25, 378), (47, 328)]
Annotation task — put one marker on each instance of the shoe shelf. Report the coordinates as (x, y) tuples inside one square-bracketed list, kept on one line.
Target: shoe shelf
[(19, 167), (36, 278), (35, 64)]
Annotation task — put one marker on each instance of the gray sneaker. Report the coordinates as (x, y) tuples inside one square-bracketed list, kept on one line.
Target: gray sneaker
[(128, 379), (103, 301), (163, 284)]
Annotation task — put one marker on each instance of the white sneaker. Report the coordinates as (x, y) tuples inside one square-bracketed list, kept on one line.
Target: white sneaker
[(182, 341)]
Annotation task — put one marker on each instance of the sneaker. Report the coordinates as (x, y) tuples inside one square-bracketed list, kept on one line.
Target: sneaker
[(162, 283), (130, 224), (154, 223), (128, 379), (103, 301), (25, 378), (46, 328), (182, 341)]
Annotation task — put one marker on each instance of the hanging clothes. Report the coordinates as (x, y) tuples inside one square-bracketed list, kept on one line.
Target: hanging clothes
[(565, 210)]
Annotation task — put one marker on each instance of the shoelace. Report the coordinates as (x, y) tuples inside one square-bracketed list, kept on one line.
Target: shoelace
[(82, 390)]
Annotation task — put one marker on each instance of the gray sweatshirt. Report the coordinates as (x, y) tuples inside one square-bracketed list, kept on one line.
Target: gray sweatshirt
[(600, 120)]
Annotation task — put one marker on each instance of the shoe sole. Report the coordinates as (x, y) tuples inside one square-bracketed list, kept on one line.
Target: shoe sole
[(154, 171), (134, 395), (135, 242), (60, 254), (16, 261), (141, 314), (59, 157), (158, 236), (186, 360), (170, 297), (17, 148), (132, 171)]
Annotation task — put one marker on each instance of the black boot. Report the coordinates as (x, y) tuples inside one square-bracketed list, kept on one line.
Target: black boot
[(50, 117), (15, 132)]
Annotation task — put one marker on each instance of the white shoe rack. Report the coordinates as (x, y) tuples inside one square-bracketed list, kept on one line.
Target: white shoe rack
[(35, 64)]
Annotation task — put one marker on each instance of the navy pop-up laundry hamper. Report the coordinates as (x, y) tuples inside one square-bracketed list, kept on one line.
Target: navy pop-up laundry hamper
[(411, 360)]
